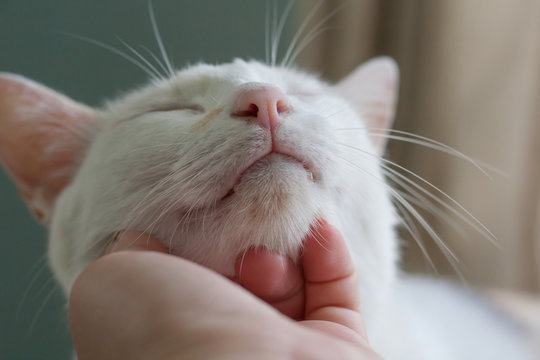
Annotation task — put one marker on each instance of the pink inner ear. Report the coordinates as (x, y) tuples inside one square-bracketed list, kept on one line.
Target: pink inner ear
[(43, 137), (372, 90)]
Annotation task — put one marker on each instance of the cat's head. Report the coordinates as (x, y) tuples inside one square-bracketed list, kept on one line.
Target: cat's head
[(212, 161)]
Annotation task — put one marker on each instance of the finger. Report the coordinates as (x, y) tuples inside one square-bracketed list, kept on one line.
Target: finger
[(273, 278), (331, 287), (147, 305), (135, 240)]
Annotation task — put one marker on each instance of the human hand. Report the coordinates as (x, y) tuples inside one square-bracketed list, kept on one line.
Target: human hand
[(151, 305)]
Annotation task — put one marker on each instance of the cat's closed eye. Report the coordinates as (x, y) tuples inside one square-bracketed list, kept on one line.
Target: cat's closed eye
[(177, 107)]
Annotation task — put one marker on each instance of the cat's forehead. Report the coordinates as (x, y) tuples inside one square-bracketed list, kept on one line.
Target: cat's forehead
[(205, 84), (240, 72)]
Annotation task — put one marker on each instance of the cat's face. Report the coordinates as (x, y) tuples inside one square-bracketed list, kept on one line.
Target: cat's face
[(218, 159)]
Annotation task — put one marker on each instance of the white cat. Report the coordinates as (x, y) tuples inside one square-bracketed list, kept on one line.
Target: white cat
[(217, 159)]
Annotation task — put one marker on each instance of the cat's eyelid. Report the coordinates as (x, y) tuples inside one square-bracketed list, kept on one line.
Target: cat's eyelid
[(175, 107)]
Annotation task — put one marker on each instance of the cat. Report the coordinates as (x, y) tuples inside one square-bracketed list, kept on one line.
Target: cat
[(215, 159)]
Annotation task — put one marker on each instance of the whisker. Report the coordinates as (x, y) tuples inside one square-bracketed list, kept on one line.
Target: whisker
[(279, 30), (158, 39), (419, 201), (157, 189), (114, 51), (159, 62), (316, 234), (274, 26), (267, 33), (202, 219), (316, 31), (440, 147), (157, 76), (409, 225), (171, 238), (447, 252), (241, 265), (175, 202), (303, 44), (136, 213), (166, 210), (477, 224), (429, 143), (41, 268), (41, 307), (300, 31)]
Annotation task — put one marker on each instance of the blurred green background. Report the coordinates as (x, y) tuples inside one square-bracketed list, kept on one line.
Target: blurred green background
[(33, 43)]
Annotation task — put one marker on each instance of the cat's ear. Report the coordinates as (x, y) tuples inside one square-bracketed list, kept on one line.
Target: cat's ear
[(372, 89), (43, 138)]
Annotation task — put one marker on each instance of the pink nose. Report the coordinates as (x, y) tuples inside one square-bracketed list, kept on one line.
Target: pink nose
[(262, 103)]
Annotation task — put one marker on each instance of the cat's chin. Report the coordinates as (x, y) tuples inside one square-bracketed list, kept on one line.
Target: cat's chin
[(276, 178), (274, 204)]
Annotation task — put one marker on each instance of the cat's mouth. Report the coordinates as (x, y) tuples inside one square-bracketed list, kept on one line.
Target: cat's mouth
[(308, 167)]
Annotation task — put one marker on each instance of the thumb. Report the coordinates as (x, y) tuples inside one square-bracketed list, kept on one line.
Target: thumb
[(331, 290)]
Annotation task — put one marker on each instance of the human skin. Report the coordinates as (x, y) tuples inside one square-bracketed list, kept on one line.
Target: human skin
[(139, 302)]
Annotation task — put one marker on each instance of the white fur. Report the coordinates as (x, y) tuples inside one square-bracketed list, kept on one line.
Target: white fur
[(160, 172)]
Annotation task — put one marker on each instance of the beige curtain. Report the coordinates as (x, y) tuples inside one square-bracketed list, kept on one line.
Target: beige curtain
[(470, 78)]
